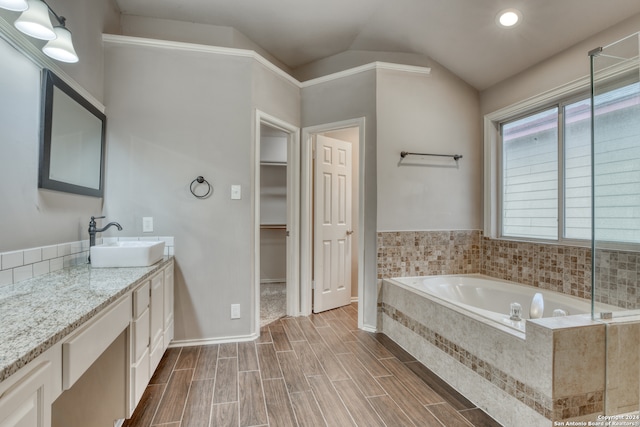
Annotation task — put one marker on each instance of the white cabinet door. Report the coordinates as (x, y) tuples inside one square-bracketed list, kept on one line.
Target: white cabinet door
[(168, 305), (157, 320), (28, 402)]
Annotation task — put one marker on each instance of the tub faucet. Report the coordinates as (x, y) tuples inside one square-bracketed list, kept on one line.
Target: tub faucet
[(93, 230)]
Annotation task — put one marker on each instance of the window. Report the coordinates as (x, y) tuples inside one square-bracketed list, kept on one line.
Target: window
[(546, 169)]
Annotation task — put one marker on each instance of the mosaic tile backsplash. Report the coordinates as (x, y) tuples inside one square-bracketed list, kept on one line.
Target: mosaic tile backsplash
[(560, 268)]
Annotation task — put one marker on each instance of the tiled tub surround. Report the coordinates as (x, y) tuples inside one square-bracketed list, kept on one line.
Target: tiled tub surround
[(16, 266), (37, 313), (555, 372), (559, 268)]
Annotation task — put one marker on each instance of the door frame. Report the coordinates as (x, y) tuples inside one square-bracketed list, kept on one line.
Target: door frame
[(306, 211), (293, 214)]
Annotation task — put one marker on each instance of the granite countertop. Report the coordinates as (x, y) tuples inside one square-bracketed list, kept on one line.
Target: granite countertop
[(37, 313)]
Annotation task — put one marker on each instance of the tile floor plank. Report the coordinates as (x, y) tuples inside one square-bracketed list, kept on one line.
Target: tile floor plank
[(251, 400), (332, 368), (307, 358), (197, 410), (425, 394), (372, 344), (247, 356), (265, 335), (332, 340), (146, 409), (165, 367), (373, 365), (309, 330), (279, 336), (306, 409), (172, 404), (479, 418), (408, 402), (279, 407), (360, 376), (292, 372), (448, 393), (400, 353), (449, 416), (225, 415), (341, 330), (188, 358), (291, 328), (359, 407), (269, 366), (226, 386), (332, 407), (390, 412), (206, 364), (228, 350)]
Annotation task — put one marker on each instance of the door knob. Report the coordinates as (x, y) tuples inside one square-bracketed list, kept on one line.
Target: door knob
[(349, 232)]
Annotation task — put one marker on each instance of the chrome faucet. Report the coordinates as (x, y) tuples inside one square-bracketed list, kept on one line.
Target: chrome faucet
[(93, 230)]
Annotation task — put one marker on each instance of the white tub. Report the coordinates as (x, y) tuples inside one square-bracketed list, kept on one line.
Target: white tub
[(491, 298)]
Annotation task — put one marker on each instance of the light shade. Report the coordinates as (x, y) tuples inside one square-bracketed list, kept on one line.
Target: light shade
[(35, 21), (61, 48), (15, 5)]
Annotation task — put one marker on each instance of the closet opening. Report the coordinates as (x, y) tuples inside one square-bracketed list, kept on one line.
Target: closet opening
[(277, 212)]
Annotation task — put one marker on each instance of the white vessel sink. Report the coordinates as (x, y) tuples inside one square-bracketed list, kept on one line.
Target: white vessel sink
[(127, 254)]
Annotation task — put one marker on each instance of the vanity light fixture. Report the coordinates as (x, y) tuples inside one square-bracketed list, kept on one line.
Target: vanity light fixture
[(14, 5), (35, 21), (508, 18), (61, 48)]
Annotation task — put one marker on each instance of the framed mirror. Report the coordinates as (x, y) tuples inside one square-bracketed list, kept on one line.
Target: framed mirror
[(72, 144)]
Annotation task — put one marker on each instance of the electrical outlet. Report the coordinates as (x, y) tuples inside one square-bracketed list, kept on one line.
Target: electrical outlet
[(235, 311), (147, 224)]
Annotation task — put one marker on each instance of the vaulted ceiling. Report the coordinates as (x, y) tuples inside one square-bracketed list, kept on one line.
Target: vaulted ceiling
[(462, 35)]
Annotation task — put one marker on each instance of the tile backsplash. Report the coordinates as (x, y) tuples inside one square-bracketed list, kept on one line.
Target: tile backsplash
[(16, 266)]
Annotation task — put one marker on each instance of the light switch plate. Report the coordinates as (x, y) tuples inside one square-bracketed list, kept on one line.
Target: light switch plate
[(235, 311), (147, 224), (236, 192)]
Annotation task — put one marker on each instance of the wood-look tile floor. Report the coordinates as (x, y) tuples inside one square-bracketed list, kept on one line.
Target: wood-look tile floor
[(307, 371)]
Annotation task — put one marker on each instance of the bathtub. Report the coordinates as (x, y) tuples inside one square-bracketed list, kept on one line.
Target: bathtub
[(491, 298), (533, 372)]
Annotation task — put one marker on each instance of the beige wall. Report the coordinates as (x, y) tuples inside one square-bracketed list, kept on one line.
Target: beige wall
[(30, 217), (434, 113)]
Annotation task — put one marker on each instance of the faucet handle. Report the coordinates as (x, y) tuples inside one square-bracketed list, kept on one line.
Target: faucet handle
[(97, 217)]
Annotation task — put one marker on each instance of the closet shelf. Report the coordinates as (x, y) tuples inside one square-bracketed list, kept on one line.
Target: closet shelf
[(273, 226)]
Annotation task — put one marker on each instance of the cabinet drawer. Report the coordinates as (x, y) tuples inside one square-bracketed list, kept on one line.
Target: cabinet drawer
[(86, 345), (155, 356), (141, 374), (140, 335), (140, 300)]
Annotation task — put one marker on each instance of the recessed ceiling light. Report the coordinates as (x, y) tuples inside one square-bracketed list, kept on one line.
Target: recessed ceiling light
[(508, 18)]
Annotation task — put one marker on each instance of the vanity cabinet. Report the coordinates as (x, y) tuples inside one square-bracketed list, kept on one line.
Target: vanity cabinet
[(26, 397), (151, 330)]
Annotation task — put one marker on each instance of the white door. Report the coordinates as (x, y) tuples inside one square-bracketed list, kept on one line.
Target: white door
[(332, 224)]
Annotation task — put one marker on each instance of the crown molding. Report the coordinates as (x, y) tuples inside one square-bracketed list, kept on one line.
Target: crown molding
[(217, 50)]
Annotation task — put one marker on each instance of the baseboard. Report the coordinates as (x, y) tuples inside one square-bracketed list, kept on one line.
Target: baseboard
[(118, 423), (209, 341), (354, 299)]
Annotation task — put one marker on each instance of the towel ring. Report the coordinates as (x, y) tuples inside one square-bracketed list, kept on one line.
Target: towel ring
[(201, 180)]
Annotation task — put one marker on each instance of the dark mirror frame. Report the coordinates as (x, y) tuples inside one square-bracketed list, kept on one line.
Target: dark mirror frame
[(49, 81)]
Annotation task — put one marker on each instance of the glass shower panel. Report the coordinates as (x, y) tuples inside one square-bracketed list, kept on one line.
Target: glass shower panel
[(615, 225), (616, 177)]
